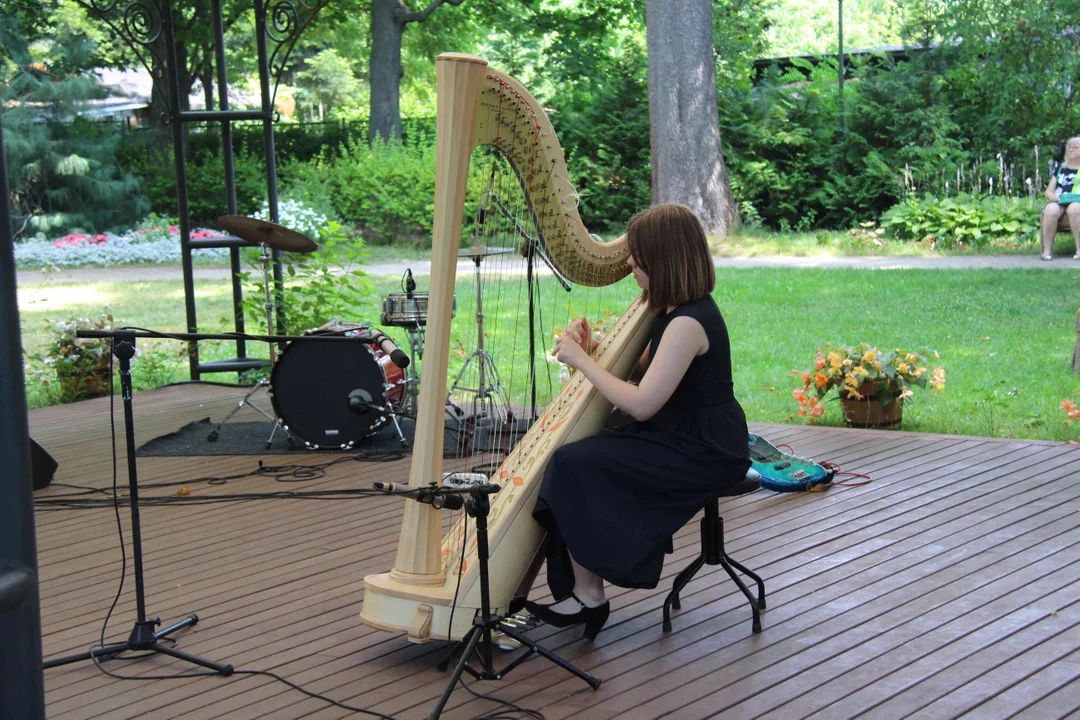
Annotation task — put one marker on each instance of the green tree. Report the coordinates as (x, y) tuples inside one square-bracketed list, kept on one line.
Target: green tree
[(328, 79), (62, 169)]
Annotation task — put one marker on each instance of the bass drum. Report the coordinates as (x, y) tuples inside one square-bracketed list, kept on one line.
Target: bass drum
[(323, 391)]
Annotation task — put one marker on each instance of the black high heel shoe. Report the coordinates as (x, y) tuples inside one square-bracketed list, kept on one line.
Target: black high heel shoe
[(593, 617), (517, 604)]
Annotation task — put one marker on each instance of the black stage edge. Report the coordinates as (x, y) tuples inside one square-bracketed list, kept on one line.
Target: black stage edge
[(22, 686)]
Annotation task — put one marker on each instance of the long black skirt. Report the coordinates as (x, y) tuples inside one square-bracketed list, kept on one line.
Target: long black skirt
[(614, 501)]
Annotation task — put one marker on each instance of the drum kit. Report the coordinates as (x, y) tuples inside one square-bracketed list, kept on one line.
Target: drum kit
[(333, 395)]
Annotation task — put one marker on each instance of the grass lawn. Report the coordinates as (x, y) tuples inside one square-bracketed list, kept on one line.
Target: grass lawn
[(1005, 336)]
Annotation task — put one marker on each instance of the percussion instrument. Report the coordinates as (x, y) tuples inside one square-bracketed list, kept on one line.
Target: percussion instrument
[(436, 578), (264, 232), (407, 310), (334, 394)]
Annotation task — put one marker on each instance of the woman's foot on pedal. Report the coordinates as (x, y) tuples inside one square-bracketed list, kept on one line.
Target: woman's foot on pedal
[(558, 615)]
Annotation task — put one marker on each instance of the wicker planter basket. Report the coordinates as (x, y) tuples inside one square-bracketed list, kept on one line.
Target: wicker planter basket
[(869, 412)]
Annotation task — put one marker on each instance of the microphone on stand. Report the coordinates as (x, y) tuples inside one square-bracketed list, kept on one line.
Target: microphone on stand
[(410, 284), (398, 357)]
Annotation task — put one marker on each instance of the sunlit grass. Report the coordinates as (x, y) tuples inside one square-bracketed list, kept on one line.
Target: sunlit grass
[(1005, 336)]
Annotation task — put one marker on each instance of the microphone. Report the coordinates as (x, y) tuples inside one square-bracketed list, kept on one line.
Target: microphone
[(410, 284), (425, 495), (398, 357)]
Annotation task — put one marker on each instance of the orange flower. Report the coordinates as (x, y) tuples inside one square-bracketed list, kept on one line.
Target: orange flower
[(819, 363), (820, 380), (800, 396)]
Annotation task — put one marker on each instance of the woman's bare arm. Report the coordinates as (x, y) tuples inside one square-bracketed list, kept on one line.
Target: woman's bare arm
[(683, 340)]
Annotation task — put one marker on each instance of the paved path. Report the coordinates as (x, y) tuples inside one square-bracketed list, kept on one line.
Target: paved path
[(422, 267)]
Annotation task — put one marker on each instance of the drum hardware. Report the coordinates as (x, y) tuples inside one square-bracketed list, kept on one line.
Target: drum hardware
[(489, 400), (266, 235), (408, 310), (333, 395), (263, 232)]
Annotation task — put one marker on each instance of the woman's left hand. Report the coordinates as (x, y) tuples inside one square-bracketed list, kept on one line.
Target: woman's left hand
[(568, 351)]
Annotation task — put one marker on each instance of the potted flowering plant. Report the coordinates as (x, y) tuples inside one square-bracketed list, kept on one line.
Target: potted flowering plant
[(82, 364), (872, 383)]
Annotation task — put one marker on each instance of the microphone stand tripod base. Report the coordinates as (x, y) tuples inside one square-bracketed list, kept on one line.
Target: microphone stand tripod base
[(478, 506), (142, 637)]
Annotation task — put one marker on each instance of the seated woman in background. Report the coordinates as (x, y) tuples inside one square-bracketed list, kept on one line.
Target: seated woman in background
[(1063, 210)]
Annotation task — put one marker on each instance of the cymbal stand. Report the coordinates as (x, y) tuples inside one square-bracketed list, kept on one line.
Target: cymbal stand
[(245, 401), (410, 403), (489, 400)]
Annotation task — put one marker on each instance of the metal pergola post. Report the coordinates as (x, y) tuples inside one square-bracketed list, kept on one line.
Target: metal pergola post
[(22, 687), (277, 33)]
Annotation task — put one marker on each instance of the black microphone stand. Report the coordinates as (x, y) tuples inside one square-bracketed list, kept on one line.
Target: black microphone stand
[(142, 637), (478, 506)]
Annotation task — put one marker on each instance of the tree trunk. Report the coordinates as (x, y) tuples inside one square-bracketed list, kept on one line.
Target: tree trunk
[(387, 28), (687, 162)]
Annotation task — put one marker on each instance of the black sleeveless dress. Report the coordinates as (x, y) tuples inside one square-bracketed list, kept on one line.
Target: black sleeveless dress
[(613, 501)]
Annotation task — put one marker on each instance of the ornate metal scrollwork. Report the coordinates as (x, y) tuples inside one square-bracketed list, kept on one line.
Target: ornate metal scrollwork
[(139, 24), (285, 22)]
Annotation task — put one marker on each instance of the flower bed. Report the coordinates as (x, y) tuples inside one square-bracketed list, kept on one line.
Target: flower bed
[(134, 248)]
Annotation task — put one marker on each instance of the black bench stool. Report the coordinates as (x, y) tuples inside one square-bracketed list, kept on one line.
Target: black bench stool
[(713, 553)]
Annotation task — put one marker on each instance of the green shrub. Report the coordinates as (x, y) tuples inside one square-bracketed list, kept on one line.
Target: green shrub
[(205, 185), (387, 191), (970, 220)]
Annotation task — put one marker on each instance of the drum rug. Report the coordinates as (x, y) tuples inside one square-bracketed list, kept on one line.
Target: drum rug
[(249, 438)]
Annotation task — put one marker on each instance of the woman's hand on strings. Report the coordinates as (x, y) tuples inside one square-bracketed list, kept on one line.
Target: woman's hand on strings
[(581, 332), (569, 351)]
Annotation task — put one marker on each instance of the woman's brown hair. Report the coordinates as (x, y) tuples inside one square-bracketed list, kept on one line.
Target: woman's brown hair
[(668, 243)]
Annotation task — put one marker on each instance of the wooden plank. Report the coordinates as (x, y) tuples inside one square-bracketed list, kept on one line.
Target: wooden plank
[(929, 589)]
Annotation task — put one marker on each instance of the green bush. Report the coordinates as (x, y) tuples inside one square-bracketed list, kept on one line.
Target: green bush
[(205, 184), (387, 191), (964, 220)]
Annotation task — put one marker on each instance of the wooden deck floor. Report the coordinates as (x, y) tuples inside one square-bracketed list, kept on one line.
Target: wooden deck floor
[(949, 587)]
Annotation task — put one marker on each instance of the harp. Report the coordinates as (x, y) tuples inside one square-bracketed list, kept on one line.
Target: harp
[(423, 594)]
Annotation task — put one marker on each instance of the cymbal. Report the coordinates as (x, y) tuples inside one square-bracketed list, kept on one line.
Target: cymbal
[(479, 251), (263, 232)]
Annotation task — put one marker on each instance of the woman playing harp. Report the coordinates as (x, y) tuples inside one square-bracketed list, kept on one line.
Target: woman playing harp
[(434, 588), (611, 503)]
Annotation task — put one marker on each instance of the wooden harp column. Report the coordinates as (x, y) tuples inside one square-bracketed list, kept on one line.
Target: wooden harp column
[(480, 106)]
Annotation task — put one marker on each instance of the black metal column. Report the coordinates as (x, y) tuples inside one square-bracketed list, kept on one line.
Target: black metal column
[(230, 172), (271, 156), (180, 160), (22, 687)]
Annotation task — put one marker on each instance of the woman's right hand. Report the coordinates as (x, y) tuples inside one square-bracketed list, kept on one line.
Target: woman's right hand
[(581, 332)]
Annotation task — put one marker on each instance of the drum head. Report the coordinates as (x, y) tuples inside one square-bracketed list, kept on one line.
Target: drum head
[(311, 386)]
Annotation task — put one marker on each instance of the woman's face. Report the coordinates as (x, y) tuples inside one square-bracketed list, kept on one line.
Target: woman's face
[(1072, 150), (639, 274)]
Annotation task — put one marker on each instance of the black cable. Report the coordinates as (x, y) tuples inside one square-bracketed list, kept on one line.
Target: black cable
[(116, 502), (123, 577), (204, 673), (514, 708)]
